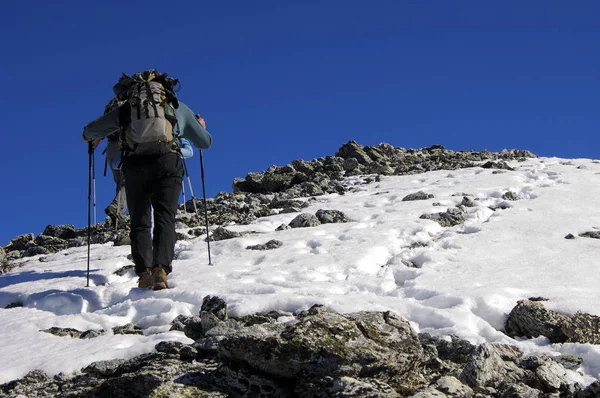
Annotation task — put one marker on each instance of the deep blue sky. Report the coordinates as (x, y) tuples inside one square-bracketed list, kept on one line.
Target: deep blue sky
[(284, 80)]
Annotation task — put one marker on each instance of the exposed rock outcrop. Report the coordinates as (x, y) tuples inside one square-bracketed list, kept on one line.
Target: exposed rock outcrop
[(316, 353)]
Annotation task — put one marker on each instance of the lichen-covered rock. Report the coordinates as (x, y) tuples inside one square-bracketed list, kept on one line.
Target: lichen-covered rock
[(582, 328), (324, 344)]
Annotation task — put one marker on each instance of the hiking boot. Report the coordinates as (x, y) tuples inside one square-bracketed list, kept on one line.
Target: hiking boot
[(114, 215), (145, 281), (159, 278)]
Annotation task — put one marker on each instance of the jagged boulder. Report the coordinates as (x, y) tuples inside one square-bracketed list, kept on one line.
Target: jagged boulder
[(353, 150), (19, 242), (64, 232), (325, 344)]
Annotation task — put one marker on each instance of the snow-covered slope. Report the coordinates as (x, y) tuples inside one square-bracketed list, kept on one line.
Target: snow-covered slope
[(460, 280)]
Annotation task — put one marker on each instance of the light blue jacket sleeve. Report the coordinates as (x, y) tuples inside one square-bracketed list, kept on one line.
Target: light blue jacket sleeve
[(190, 128), (187, 151)]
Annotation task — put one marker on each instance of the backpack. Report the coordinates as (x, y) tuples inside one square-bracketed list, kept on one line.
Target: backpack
[(148, 118)]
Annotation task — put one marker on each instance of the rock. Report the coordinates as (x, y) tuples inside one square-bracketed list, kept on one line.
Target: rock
[(452, 216), (591, 391), (591, 234), (531, 319), (130, 328), (487, 368), (352, 150), (509, 195), (351, 164), (305, 220), (548, 375), (451, 386), (582, 328), (331, 216), (327, 344), (270, 245), (20, 242), (34, 250), (221, 233), (60, 231), (496, 165), (417, 196), (214, 305)]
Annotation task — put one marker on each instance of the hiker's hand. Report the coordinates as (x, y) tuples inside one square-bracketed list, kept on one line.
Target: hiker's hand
[(200, 120), (96, 142)]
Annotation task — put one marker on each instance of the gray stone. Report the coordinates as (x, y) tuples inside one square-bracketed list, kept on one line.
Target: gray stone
[(591, 234), (64, 232), (451, 217), (353, 150), (221, 233), (417, 196), (270, 245), (531, 319), (129, 328), (20, 242), (487, 368), (329, 344), (214, 305), (509, 195), (331, 216), (548, 375), (305, 220)]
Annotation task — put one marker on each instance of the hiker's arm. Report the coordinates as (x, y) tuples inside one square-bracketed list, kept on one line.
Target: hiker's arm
[(191, 129), (103, 126), (186, 148)]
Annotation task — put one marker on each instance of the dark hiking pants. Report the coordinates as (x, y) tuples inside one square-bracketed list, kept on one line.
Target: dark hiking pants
[(153, 182)]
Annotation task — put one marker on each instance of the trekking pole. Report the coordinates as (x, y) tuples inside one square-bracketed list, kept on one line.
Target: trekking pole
[(89, 237), (94, 178), (190, 185), (183, 191), (205, 208)]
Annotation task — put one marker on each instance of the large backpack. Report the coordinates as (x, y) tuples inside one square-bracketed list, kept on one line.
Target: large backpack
[(148, 119)]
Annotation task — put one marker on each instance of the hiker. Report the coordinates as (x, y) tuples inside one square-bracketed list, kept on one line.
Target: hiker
[(148, 123)]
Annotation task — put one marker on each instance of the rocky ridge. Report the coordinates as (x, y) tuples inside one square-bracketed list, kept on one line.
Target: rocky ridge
[(278, 189)]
